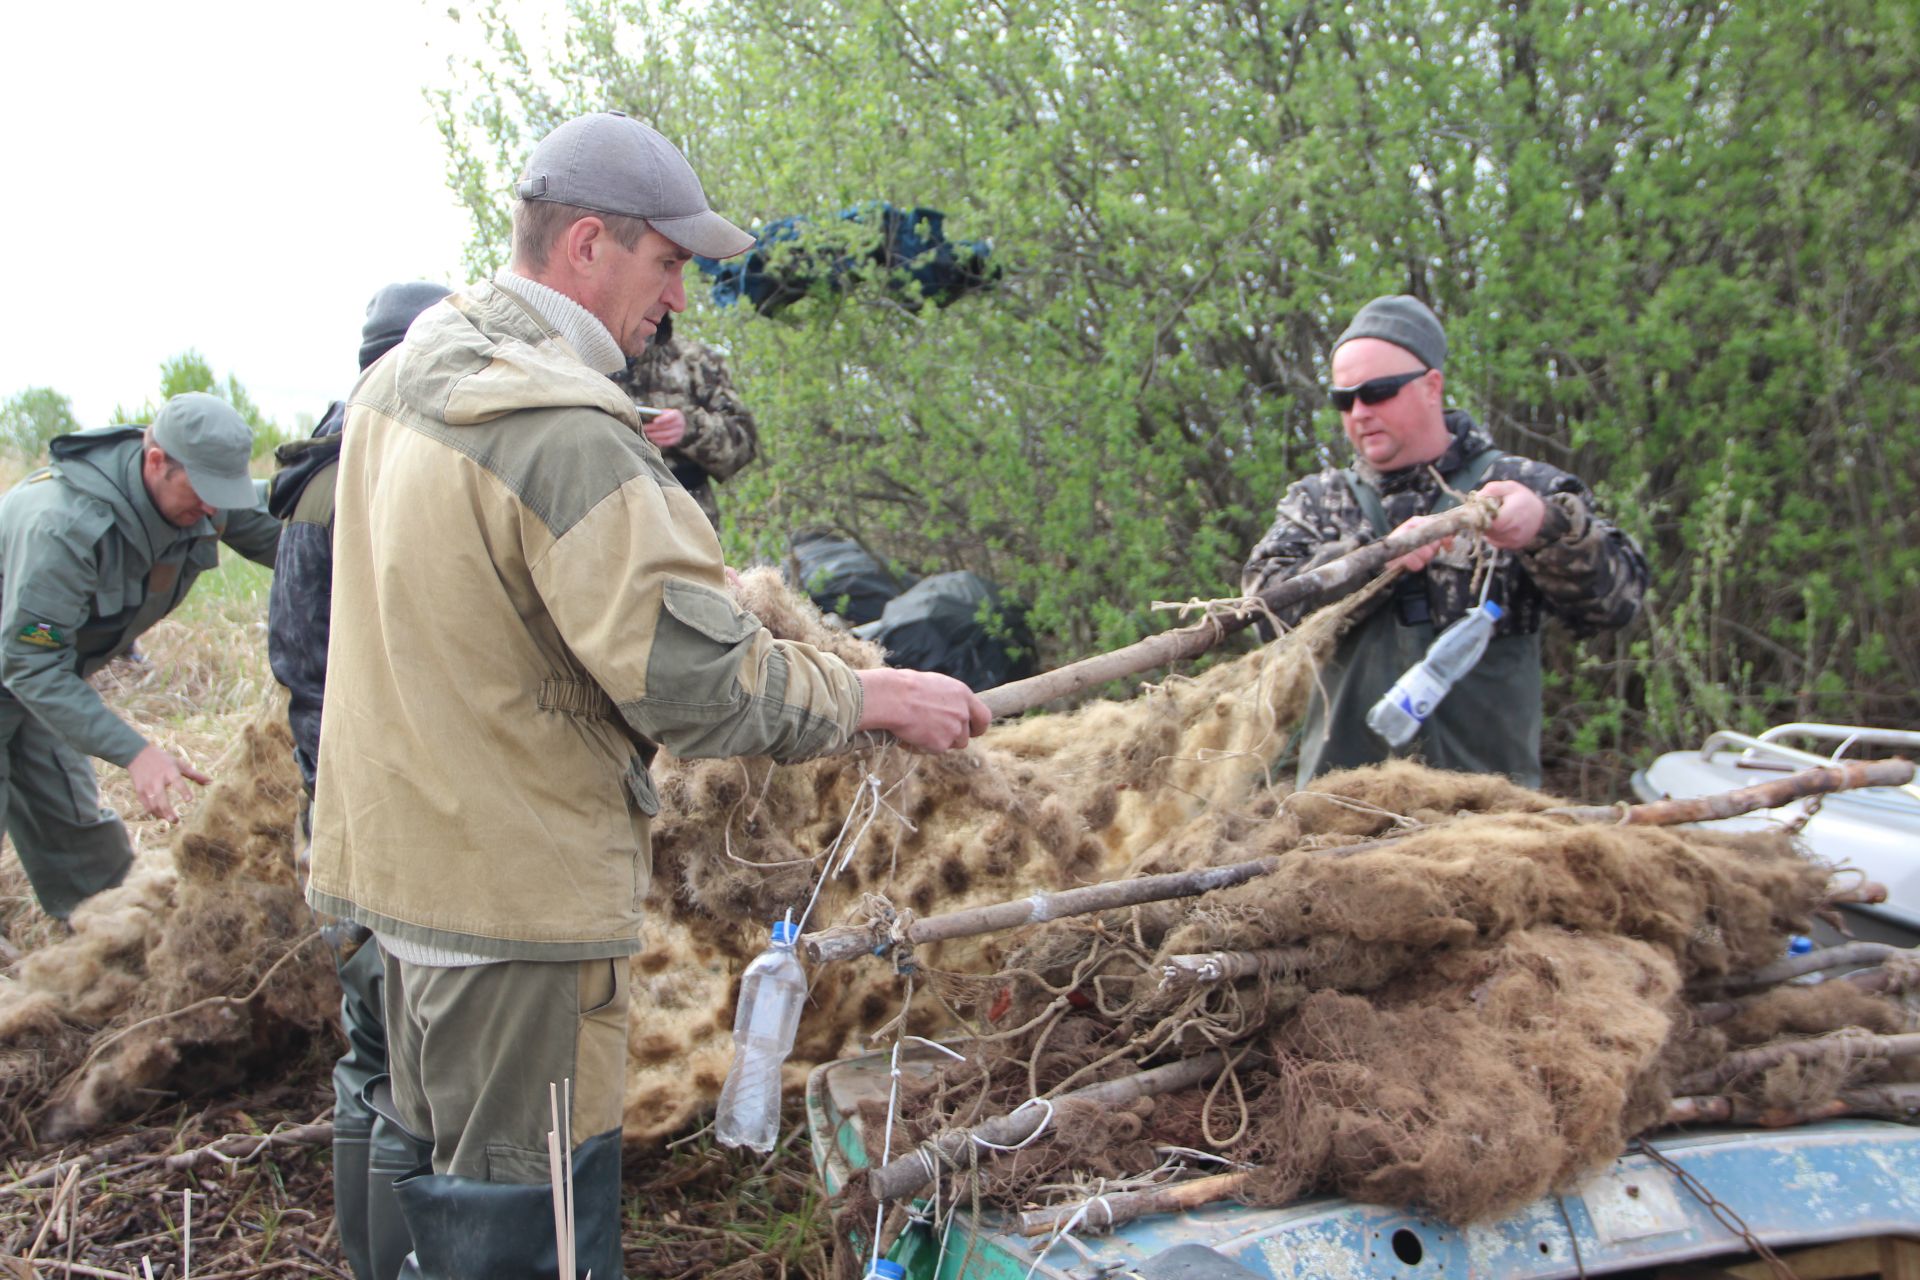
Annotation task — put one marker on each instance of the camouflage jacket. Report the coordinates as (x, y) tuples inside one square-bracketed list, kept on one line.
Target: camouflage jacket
[(1581, 568), (721, 437)]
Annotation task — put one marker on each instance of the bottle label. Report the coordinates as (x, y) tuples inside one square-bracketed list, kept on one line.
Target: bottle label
[(1417, 693)]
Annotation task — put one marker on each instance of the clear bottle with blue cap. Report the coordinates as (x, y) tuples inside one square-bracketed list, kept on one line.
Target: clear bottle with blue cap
[(1405, 707), (773, 990)]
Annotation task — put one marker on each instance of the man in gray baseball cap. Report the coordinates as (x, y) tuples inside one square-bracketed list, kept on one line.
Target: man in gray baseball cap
[(526, 606), (95, 548)]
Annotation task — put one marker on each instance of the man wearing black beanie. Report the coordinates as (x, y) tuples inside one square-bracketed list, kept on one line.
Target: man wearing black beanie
[(1548, 552), (368, 1153)]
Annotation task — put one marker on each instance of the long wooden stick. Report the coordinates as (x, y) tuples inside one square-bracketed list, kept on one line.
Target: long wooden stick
[(1824, 780), (1859, 1048), (1882, 979), (1103, 1212), (1789, 967), (843, 941), (236, 1147), (1335, 578), (1895, 1101), (911, 1172)]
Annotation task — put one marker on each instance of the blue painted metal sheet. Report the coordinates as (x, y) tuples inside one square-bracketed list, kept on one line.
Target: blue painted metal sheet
[(1838, 1180)]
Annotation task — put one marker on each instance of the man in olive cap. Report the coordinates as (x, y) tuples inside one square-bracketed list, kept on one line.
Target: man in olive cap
[(368, 1151), (1551, 553), (95, 548), (526, 606)]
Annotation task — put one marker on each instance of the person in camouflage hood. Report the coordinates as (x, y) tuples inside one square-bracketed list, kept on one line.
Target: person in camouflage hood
[(95, 548), (1551, 553), (706, 433)]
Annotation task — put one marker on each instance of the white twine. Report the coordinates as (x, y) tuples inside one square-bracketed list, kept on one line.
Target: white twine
[(1027, 1141)]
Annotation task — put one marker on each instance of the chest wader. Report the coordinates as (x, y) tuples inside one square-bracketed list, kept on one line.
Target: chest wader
[(1488, 723)]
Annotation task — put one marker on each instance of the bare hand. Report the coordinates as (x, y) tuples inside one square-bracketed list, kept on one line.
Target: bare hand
[(1521, 513), (667, 430), (1418, 558), (922, 708), (155, 775)]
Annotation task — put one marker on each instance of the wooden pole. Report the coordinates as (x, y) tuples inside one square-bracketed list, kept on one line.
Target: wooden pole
[(1788, 967), (1103, 1212), (1331, 580), (1715, 1012), (847, 940), (1766, 795), (911, 1172), (1858, 1048), (1894, 1101), (843, 941)]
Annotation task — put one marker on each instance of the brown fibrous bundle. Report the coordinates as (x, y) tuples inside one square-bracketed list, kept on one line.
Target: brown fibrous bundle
[(1477, 1011)]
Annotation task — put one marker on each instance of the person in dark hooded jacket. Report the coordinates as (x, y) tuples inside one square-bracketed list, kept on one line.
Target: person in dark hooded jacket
[(368, 1152)]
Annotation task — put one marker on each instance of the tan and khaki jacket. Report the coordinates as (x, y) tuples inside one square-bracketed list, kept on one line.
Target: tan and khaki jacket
[(525, 604)]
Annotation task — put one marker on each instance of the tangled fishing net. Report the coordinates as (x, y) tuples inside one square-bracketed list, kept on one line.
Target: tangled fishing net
[(1457, 998)]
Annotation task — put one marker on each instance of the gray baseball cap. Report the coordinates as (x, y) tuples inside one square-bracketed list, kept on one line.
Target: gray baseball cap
[(611, 163), (205, 435)]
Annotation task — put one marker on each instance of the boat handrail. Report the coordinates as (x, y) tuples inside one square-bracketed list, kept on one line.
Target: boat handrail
[(1766, 745), (1848, 734)]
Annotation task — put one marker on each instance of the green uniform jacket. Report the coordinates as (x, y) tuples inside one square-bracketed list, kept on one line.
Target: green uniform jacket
[(525, 603), (87, 564)]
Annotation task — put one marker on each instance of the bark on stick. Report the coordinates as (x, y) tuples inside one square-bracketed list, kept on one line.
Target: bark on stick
[(1766, 795), (851, 940), (1894, 1101), (911, 1172), (1107, 1211), (1884, 979), (847, 940), (1788, 967), (1858, 1048), (1331, 580)]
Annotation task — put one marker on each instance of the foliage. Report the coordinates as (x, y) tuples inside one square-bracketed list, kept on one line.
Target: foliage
[(32, 417), (189, 371), (1675, 245)]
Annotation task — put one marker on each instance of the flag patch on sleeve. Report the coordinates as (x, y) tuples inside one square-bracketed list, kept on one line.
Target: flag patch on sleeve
[(42, 634)]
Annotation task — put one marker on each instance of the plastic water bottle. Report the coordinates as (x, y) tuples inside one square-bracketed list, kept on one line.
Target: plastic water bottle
[(772, 992), (1405, 707), (886, 1269)]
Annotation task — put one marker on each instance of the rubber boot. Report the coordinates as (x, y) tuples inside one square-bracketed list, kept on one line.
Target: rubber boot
[(395, 1154), (351, 1151), (353, 1117), (467, 1229)]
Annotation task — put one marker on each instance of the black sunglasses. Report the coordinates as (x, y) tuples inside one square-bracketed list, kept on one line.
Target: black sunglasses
[(1373, 390)]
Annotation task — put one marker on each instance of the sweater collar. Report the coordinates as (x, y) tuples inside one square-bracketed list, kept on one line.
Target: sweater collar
[(591, 340)]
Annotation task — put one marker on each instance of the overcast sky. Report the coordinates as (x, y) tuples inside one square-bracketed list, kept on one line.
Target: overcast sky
[(232, 177)]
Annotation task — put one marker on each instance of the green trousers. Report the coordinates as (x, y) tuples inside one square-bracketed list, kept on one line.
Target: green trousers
[(473, 1050), (1488, 723), (70, 846)]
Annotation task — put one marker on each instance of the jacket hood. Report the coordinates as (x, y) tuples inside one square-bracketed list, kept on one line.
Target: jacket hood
[(484, 353), (301, 460), (98, 461)]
